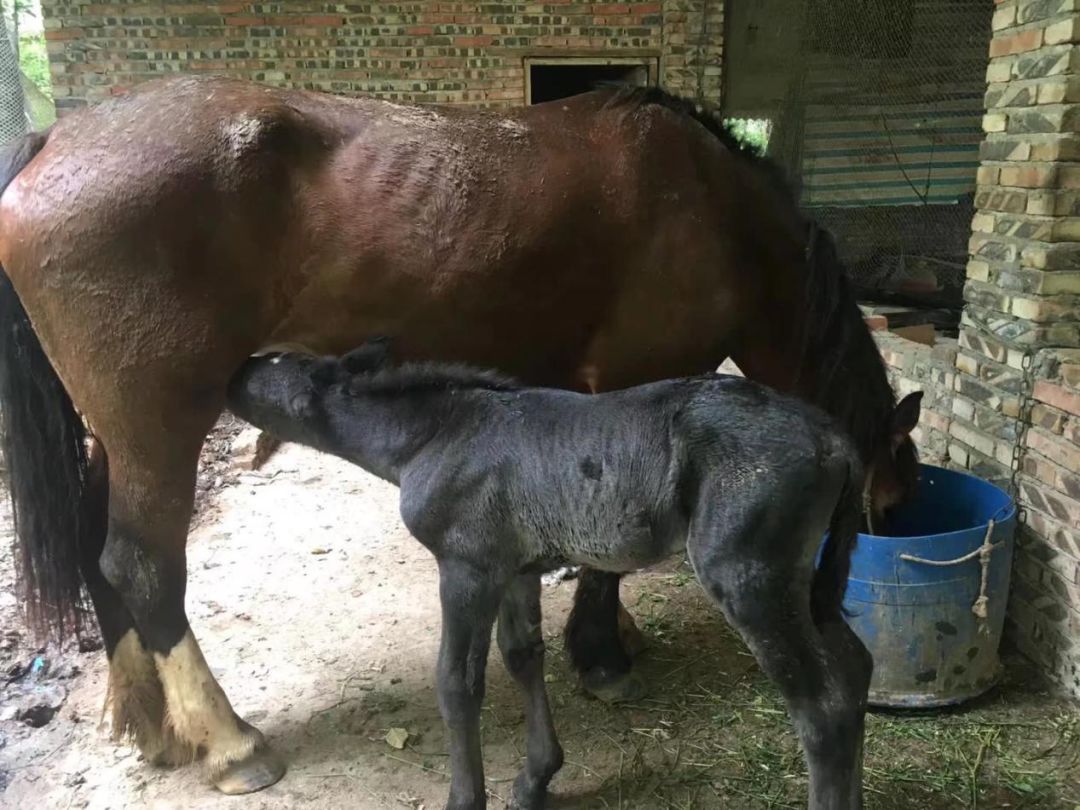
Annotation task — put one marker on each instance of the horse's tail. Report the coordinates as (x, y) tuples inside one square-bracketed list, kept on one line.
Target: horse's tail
[(56, 500), (831, 578)]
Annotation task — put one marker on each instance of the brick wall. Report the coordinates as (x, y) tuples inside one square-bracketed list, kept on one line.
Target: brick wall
[(457, 52), (1018, 363)]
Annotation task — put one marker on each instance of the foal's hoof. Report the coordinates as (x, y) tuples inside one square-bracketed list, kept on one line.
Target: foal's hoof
[(612, 688), (528, 794), (255, 772), (534, 801)]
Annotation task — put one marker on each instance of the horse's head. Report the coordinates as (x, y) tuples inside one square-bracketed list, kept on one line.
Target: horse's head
[(893, 476)]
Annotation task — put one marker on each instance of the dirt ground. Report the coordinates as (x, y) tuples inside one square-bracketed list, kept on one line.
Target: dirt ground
[(319, 615)]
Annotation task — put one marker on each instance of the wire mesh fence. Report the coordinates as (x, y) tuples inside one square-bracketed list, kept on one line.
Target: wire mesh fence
[(880, 122), (13, 118)]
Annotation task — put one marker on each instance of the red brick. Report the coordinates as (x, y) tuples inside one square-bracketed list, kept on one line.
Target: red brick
[(1058, 396), (237, 20), (1055, 448), (473, 42), (324, 20), (1017, 43), (58, 34)]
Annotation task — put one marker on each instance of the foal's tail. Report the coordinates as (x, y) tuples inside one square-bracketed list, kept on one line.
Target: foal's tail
[(57, 500), (830, 579)]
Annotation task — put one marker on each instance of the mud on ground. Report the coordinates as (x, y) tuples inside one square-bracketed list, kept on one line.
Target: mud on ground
[(319, 615)]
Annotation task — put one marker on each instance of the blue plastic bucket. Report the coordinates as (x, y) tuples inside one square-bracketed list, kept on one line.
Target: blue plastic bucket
[(913, 596)]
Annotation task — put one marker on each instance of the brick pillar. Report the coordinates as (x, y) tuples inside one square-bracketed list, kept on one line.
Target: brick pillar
[(693, 45), (1017, 358)]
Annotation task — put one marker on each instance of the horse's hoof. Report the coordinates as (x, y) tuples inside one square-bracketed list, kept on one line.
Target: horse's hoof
[(255, 772), (603, 685)]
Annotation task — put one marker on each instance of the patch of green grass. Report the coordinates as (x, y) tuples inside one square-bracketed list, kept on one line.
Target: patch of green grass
[(754, 132), (34, 61)]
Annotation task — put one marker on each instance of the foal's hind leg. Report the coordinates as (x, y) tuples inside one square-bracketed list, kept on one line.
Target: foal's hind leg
[(522, 646), (760, 573), (152, 478), (825, 693)]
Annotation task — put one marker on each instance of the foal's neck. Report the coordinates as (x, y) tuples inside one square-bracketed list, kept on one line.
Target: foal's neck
[(382, 431)]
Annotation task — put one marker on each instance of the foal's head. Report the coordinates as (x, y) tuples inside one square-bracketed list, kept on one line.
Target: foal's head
[(280, 392)]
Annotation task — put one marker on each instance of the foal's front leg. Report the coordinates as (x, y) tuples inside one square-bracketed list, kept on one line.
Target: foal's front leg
[(522, 645), (470, 600)]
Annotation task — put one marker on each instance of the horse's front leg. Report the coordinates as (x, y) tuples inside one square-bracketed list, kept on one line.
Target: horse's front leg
[(522, 645), (150, 502), (470, 600), (600, 637)]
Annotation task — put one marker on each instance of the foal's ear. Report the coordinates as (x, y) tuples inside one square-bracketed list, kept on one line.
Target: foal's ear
[(325, 372), (371, 356), (906, 415)]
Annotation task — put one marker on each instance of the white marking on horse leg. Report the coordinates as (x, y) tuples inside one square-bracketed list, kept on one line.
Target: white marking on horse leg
[(137, 701), (198, 710)]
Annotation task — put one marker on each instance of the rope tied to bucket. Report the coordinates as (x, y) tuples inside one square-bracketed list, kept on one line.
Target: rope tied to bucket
[(981, 606)]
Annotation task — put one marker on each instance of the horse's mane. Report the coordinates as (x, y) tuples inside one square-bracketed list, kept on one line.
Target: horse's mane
[(849, 382), (637, 96), (429, 377)]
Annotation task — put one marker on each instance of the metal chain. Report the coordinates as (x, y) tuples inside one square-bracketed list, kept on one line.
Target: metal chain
[(1027, 385)]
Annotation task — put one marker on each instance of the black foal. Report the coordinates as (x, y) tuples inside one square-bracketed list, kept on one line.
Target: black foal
[(502, 483)]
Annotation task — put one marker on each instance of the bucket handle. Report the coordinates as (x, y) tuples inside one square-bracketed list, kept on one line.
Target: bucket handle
[(981, 606)]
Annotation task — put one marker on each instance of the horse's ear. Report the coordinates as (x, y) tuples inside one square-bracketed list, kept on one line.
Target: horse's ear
[(371, 356), (906, 415)]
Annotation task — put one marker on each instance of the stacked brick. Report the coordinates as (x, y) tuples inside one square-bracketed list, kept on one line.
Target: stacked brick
[(1045, 607), (1023, 306), (450, 52)]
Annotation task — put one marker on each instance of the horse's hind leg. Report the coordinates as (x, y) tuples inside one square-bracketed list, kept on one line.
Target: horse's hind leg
[(135, 692), (152, 482), (760, 574), (594, 639), (522, 645)]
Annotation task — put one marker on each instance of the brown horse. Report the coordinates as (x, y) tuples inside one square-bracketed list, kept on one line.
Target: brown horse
[(156, 241)]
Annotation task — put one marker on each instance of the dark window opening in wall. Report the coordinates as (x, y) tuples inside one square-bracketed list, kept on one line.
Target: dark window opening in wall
[(551, 80)]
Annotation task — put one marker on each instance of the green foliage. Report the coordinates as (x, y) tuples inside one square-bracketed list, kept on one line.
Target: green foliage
[(752, 131), (34, 61)]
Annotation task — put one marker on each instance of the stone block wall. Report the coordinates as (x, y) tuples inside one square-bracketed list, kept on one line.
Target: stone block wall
[(453, 52)]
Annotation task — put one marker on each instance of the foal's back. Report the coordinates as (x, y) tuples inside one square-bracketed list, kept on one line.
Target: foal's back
[(610, 480)]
